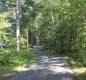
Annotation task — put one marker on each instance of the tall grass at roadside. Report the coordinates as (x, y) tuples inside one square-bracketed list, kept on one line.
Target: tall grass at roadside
[(11, 59), (78, 62)]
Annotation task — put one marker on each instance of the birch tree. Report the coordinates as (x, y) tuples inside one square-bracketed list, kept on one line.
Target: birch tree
[(17, 25)]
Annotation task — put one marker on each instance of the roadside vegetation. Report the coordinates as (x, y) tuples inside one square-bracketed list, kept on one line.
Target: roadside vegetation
[(78, 64), (12, 61), (58, 25)]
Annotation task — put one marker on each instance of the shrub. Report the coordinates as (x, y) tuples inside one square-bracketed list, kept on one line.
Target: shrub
[(12, 57), (79, 57)]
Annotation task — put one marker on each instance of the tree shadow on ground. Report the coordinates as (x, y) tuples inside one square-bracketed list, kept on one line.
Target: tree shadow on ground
[(40, 74), (46, 67)]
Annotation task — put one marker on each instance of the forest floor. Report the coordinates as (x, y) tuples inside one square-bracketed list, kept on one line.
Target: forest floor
[(46, 67)]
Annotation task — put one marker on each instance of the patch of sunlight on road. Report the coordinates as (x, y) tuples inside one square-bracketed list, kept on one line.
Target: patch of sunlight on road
[(58, 69), (66, 79), (79, 70), (9, 74), (19, 68)]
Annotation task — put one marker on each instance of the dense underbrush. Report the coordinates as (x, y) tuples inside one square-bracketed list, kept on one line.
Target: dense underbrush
[(10, 60), (79, 57), (12, 57)]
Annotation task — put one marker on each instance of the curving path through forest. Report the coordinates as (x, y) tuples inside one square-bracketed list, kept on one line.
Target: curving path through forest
[(47, 67)]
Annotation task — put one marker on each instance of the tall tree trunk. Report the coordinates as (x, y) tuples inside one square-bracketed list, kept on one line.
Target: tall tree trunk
[(27, 34), (1, 42), (70, 42), (37, 40), (17, 26), (52, 16)]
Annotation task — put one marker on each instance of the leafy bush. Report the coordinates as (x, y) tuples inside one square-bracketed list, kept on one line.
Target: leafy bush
[(79, 57), (12, 57)]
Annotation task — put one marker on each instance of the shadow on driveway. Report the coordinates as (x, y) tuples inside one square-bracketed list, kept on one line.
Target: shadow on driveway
[(47, 67)]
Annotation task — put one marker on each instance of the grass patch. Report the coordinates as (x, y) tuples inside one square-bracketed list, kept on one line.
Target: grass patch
[(6, 72), (12, 61), (79, 70)]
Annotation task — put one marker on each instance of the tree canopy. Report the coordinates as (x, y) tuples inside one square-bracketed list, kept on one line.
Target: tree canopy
[(58, 25)]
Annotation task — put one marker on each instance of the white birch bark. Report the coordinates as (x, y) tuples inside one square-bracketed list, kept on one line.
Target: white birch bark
[(17, 25)]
